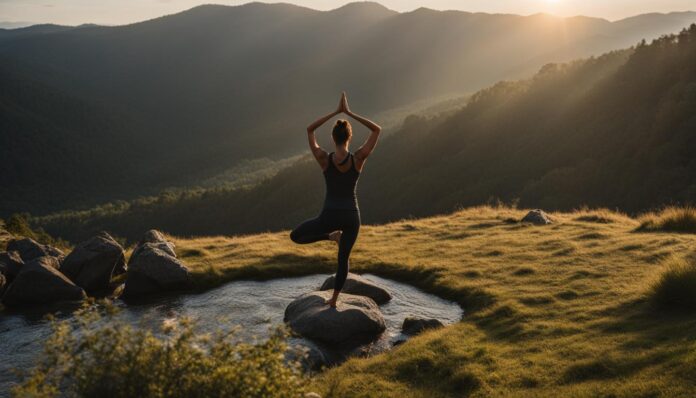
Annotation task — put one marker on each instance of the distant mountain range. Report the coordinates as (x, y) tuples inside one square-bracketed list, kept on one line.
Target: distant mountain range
[(99, 113), (616, 131), (14, 24)]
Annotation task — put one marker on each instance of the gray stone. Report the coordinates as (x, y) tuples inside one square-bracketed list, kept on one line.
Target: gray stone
[(537, 217), (359, 286), (355, 319), (29, 249), (39, 282), (152, 239), (153, 270), (156, 237), (414, 326), (10, 264), (93, 263)]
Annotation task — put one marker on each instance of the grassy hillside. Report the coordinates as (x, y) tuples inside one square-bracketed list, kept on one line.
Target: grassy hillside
[(614, 131), (560, 310), (213, 86)]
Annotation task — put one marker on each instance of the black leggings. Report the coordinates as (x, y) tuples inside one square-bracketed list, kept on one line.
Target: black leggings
[(319, 228)]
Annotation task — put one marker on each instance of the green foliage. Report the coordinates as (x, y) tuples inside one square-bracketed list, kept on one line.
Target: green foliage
[(69, 138), (18, 225), (96, 355), (614, 131), (670, 219), (676, 286)]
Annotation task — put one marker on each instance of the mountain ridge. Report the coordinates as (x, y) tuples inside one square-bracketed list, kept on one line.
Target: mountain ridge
[(610, 131), (218, 85)]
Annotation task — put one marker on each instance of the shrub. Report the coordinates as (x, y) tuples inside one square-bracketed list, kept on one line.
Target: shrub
[(671, 219), (19, 225), (675, 288), (95, 355)]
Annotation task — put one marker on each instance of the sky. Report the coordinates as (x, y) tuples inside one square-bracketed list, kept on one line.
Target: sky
[(117, 12)]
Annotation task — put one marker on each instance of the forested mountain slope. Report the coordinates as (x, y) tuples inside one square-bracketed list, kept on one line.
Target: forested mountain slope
[(614, 131), (215, 85)]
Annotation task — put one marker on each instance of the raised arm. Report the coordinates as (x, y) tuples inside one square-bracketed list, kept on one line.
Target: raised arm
[(320, 154), (369, 145)]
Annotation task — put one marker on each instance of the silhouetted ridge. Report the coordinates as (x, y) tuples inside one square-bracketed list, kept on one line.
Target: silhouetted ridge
[(612, 131), (208, 88)]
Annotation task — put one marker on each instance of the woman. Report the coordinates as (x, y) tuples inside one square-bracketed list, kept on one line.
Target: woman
[(339, 221)]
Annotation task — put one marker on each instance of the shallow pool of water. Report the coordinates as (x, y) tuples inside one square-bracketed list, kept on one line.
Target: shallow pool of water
[(254, 307)]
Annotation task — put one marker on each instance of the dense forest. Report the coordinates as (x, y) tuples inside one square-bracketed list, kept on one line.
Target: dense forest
[(93, 114), (613, 131)]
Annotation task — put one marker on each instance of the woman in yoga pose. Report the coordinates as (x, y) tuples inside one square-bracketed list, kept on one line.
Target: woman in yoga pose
[(339, 220)]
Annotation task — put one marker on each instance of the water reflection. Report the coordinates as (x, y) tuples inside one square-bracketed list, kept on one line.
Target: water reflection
[(251, 307)]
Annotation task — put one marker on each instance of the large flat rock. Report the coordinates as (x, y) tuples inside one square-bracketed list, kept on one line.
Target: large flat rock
[(355, 319), (359, 286)]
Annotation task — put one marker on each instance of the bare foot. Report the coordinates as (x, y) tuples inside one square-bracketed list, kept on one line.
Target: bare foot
[(331, 302), (336, 236)]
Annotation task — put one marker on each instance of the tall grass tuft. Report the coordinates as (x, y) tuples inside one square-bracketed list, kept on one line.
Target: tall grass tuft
[(95, 355), (675, 288), (670, 219)]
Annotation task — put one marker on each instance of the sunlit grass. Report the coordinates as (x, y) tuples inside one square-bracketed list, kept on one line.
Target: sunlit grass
[(675, 288), (672, 219), (558, 310)]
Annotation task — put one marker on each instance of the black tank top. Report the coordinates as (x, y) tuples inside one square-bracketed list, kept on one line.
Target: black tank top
[(340, 186)]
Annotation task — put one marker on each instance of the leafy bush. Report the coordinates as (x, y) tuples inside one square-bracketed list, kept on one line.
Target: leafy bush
[(96, 355), (671, 219), (676, 286), (19, 225)]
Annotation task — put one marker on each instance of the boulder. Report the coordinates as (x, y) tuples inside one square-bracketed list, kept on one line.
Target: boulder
[(10, 264), (93, 262), (29, 249), (3, 283), (153, 239), (39, 282), (537, 217), (153, 270), (359, 286), (355, 319), (414, 326)]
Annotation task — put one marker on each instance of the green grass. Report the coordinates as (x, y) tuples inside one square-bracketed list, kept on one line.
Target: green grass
[(670, 219), (676, 286), (558, 310)]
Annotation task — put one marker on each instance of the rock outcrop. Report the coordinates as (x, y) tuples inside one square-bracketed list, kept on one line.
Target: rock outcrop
[(414, 326), (359, 286), (355, 319), (158, 240), (10, 264), (93, 263), (29, 249), (154, 268), (537, 217), (39, 282)]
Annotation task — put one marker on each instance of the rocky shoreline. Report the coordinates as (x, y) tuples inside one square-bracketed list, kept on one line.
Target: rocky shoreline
[(33, 274)]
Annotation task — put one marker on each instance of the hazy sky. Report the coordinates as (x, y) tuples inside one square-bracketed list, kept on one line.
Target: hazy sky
[(112, 12)]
